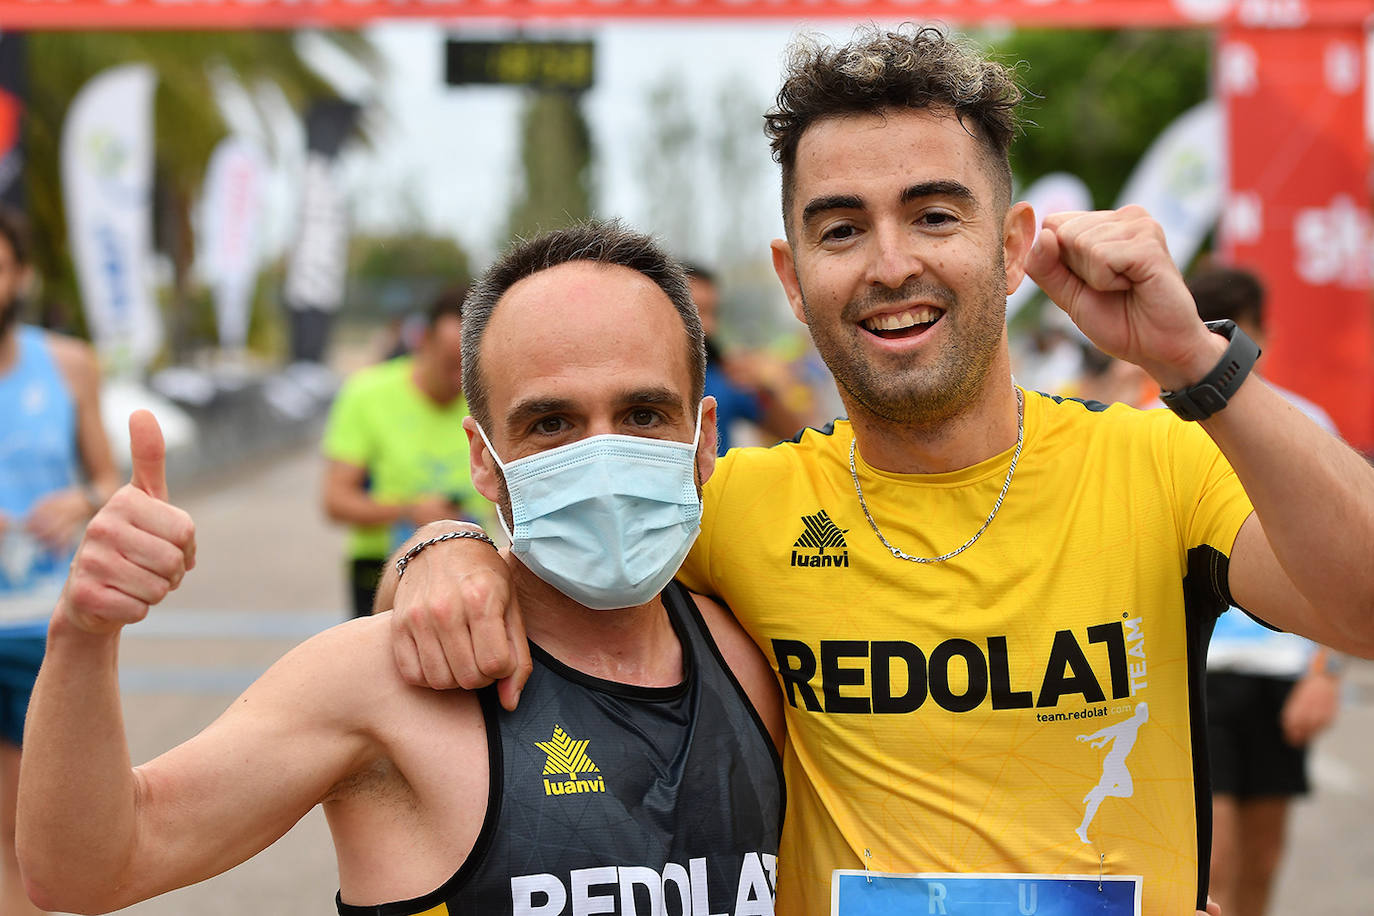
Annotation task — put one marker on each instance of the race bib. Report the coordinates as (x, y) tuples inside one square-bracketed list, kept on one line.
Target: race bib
[(862, 893)]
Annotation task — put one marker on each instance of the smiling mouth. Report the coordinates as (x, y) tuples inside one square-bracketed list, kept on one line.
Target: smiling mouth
[(900, 325)]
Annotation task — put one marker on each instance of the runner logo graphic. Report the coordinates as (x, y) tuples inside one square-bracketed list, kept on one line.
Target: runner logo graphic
[(821, 533), (1116, 778), (568, 757)]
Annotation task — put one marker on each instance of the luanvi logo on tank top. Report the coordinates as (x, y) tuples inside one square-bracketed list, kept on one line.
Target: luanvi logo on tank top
[(568, 759), (820, 534)]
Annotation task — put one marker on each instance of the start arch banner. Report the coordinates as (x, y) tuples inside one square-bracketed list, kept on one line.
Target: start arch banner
[(227, 14)]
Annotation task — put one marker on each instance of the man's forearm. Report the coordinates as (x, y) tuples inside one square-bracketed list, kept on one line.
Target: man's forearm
[(360, 509), (1314, 496), (77, 796)]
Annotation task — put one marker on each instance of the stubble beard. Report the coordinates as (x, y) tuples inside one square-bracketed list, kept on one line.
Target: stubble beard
[(503, 503), (920, 395)]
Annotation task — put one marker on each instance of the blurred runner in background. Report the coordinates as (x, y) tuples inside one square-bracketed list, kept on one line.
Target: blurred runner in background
[(1268, 693), (398, 457), (1108, 380), (55, 471), (748, 385)]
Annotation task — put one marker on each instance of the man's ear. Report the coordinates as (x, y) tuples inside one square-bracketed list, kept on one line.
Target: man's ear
[(707, 441), (785, 266), (485, 478), (1018, 234)]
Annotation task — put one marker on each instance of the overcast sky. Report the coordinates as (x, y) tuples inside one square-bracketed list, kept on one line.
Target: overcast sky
[(448, 157)]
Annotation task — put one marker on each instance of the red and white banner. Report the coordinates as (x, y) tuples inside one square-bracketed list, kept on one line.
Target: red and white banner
[(213, 14), (233, 208), (1297, 210), (13, 99)]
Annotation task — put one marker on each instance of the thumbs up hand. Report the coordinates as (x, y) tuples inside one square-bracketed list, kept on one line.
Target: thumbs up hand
[(136, 549)]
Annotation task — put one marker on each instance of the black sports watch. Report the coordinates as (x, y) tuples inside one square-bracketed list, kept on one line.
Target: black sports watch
[(1200, 401)]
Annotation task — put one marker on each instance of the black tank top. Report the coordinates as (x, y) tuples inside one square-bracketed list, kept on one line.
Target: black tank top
[(607, 798)]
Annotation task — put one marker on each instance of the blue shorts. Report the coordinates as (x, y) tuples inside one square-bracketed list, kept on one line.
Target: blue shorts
[(20, 656)]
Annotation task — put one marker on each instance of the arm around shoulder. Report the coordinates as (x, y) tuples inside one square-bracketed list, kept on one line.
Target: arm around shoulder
[(456, 619)]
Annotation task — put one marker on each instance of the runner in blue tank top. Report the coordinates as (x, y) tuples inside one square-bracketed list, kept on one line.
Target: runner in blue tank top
[(55, 470)]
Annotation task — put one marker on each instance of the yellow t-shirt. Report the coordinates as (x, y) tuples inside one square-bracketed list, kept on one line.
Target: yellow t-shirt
[(1031, 707)]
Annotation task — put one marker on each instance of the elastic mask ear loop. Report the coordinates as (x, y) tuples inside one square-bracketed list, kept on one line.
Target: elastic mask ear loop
[(495, 457), (696, 473), (510, 536)]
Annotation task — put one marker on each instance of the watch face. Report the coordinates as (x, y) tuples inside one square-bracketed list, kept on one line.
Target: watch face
[(1225, 327)]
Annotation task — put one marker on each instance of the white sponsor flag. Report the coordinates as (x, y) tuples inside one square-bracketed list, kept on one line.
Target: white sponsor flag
[(233, 209), (107, 185), (1052, 193), (1181, 179), (318, 266)]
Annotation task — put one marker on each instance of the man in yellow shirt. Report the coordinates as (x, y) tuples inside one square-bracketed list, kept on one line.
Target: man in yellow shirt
[(988, 608)]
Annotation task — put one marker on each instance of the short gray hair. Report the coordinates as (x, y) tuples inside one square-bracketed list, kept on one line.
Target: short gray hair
[(603, 242)]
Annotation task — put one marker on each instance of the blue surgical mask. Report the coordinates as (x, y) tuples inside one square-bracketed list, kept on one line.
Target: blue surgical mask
[(606, 520)]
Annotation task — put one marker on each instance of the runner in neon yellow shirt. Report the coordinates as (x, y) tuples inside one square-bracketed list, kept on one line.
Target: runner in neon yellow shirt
[(398, 457)]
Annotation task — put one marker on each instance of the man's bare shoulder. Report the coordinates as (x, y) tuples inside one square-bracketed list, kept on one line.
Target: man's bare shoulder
[(74, 357), (732, 639), (402, 771), (748, 664), (343, 684), (356, 658), (348, 676), (411, 805)]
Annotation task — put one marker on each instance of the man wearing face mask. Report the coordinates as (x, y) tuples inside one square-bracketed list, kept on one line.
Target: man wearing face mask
[(640, 771)]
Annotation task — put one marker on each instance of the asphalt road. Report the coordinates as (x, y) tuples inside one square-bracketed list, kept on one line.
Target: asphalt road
[(270, 574)]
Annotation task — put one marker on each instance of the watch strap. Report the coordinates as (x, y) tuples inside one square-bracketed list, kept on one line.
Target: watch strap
[(1202, 400)]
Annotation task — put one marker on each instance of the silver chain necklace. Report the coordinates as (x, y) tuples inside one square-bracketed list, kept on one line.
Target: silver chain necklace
[(900, 554)]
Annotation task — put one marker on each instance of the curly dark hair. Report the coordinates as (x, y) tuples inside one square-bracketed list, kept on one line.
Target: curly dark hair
[(604, 242), (910, 68)]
